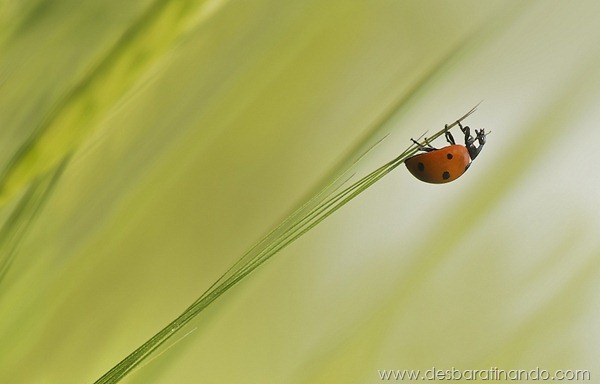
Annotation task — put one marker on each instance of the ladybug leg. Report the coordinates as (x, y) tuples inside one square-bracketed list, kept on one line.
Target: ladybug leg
[(449, 137), (469, 140), (425, 148), (470, 143)]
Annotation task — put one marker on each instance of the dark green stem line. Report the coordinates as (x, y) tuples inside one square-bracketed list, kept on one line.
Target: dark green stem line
[(266, 248)]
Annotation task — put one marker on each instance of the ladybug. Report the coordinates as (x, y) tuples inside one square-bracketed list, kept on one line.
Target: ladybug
[(438, 166)]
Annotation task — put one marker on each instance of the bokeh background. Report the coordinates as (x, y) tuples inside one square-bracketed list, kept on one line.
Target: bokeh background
[(145, 146)]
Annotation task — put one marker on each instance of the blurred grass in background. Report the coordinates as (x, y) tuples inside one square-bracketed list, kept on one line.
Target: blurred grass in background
[(147, 146)]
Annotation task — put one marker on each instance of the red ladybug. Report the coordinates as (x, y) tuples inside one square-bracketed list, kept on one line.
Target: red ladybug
[(443, 165)]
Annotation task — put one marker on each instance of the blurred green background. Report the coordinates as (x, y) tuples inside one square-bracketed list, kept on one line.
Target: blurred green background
[(145, 146)]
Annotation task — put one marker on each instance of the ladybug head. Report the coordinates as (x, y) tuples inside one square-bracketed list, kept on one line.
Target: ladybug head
[(470, 141)]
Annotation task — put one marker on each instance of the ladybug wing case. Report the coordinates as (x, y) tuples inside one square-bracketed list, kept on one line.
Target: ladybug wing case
[(439, 166)]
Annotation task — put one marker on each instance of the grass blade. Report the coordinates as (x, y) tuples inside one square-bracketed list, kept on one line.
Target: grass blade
[(292, 228)]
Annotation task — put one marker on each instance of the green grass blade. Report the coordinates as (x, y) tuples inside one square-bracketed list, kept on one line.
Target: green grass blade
[(290, 230), (78, 112), (23, 215)]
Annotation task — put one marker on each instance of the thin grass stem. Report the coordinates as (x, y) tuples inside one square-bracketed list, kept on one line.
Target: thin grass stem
[(323, 204)]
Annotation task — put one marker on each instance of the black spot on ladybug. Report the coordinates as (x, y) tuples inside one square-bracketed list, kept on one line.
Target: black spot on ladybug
[(467, 166), (421, 166), (449, 156), (446, 175)]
